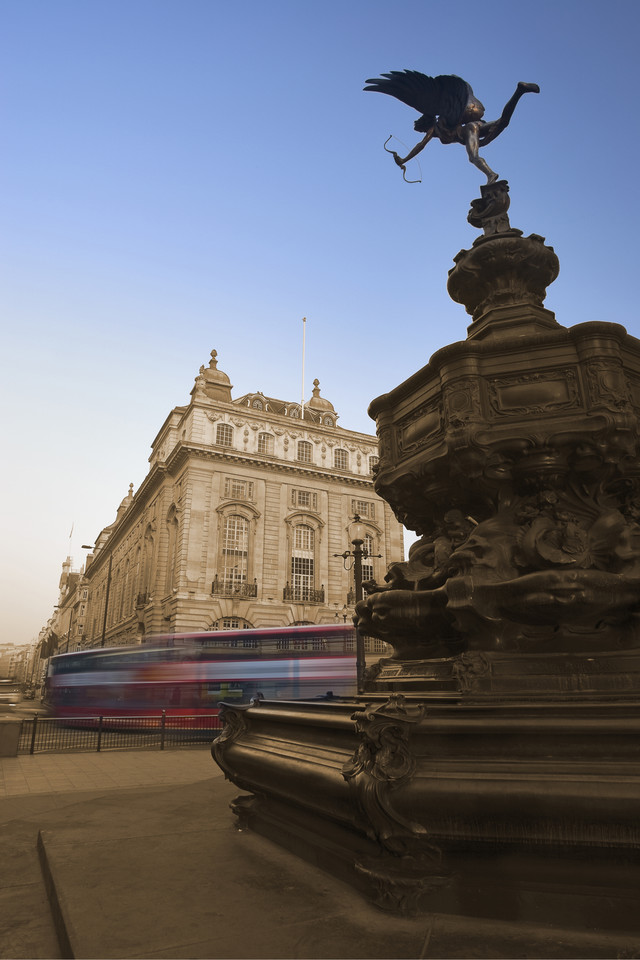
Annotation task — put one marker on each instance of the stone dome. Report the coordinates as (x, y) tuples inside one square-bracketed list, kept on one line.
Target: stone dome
[(215, 383), (318, 403)]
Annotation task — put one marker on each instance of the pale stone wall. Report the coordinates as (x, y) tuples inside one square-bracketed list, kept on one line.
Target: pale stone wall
[(165, 545)]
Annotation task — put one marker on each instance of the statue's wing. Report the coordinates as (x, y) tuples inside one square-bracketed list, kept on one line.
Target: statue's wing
[(443, 96)]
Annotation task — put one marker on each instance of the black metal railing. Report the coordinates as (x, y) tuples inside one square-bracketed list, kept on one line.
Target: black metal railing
[(303, 594), (231, 588), (85, 734)]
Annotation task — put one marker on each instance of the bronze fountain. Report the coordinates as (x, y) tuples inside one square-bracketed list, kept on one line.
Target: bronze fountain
[(488, 773)]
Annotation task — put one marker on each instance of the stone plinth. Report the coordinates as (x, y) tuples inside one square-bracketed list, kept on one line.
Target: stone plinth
[(512, 812)]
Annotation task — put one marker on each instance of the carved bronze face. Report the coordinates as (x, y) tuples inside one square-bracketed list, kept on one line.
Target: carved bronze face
[(487, 553), (474, 109)]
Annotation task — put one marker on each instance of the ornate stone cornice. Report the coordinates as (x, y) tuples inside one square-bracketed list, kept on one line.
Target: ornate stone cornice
[(184, 452)]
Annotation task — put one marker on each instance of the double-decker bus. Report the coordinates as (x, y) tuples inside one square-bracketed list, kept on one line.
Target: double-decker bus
[(187, 675)]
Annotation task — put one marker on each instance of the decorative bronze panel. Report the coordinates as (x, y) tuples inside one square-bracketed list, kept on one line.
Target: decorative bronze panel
[(525, 394), (415, 430), (607, 384)]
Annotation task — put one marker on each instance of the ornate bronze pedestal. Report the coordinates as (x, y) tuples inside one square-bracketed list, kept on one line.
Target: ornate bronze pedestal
[(490, 770)]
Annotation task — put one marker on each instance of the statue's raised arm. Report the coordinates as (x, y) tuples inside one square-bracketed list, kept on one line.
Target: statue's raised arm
[(449, 110)]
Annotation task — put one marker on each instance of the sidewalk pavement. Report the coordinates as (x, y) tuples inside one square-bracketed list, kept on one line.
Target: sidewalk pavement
[(136, 854), (47, 781), (56, 790)]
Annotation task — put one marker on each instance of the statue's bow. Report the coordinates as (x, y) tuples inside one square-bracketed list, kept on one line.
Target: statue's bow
[(401, 165)]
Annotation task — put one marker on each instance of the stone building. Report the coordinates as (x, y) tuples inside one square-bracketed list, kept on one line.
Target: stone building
[(240, 521)]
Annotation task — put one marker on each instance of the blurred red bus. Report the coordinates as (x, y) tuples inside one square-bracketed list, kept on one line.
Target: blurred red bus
[(189, 674)]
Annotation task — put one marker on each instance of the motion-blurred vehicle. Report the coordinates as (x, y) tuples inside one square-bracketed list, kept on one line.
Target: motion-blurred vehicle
[(187, 675), (9, 695)]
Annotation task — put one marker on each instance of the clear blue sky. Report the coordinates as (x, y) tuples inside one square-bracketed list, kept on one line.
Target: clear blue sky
[(179, 175)]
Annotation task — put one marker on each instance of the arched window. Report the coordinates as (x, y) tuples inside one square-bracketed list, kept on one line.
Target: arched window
[(124, 592), (137, 583), (305, 451), (172, 530), (302, 562), (265, 444), (115, 587), (341, 459), (224, 435), (257, 404), (235, 551), (230, 623), (147, 562), (328, 421)]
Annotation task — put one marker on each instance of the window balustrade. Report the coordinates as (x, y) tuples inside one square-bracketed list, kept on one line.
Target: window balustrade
[(303, 594), (234, 588)]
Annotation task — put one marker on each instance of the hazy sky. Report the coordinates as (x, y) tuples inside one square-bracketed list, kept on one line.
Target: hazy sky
[(179, 175)]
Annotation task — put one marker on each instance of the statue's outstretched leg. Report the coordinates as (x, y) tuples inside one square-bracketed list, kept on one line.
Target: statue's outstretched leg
[(521, 89), (495, 127)]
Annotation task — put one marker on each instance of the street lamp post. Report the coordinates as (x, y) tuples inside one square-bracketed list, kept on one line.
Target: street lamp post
[(66, 649), (106, 602), (359, 554), (357, 539)]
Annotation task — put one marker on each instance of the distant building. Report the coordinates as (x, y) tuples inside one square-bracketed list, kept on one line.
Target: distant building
[(238, 523), (13, 661)]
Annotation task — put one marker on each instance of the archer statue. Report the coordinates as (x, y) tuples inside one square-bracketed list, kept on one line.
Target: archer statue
[(450, 112)]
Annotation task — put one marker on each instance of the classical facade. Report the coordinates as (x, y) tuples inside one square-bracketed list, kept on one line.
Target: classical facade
[(240, 522)]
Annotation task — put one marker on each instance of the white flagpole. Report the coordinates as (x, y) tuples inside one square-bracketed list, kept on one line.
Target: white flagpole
[(304, 330)]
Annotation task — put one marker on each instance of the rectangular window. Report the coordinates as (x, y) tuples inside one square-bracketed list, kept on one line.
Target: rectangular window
[(235, 542), (375, 646), (373, 463), (304, 498), (364, 509), (236, 489), (302, 577)]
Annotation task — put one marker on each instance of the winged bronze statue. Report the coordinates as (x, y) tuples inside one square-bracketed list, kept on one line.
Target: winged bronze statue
[(449, 110)]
